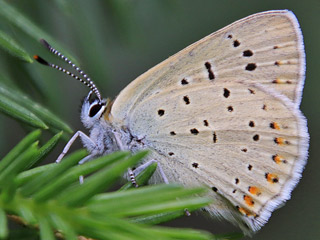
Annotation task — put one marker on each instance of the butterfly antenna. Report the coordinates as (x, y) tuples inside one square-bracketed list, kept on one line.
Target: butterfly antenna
[(86, 81)]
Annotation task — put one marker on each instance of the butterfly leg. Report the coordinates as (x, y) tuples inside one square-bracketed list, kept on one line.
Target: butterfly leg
[(131, 175), (87, 141), (132, 178), (83, 160), (145, 165)]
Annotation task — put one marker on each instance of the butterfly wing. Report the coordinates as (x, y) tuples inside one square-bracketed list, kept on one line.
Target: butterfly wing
[(248, 145), (265, 48), (225, 112)]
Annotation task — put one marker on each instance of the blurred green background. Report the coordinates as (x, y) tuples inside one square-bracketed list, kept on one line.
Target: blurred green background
[(117, 40)]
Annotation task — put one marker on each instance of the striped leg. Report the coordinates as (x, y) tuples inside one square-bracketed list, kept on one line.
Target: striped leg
[(131, 175), (132, 178)]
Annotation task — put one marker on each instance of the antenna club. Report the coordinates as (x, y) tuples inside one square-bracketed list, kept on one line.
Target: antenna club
[(41, 60), (45, 44)]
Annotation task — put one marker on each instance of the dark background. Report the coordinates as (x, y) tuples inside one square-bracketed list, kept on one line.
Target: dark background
[(116, 41)]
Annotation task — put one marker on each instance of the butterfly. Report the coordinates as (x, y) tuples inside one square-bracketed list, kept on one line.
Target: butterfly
[(223, 112)]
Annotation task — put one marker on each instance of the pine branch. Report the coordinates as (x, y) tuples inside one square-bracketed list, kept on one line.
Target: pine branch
[(51, 198)]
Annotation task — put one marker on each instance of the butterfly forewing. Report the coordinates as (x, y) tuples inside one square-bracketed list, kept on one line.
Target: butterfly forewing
[(264, 48)]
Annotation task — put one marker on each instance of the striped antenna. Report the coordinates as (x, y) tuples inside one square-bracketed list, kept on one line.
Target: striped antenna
[(86, 81)]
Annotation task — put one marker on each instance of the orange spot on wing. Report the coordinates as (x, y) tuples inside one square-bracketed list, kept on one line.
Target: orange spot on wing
[(278, 159), (279, 140), (281, 81), (272, 178), (242, 211), (278, 63), (254, 190), (275, 125), (246, 212), (277, 80), (248, 200)]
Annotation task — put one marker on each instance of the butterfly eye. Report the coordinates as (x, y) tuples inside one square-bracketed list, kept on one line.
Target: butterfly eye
[(94, 110)]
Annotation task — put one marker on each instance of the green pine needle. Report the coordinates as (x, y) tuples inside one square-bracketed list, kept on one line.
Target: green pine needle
[(21, 107), (15, 17), (52, 199), (11, 46)]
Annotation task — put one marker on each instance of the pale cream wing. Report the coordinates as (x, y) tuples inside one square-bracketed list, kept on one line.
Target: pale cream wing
[(225, 112), (242, 140), (265, 48)]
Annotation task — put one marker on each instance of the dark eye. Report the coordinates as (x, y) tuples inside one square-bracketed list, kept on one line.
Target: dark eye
[(94, 110)]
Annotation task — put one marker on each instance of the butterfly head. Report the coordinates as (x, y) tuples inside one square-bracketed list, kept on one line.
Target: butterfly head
[(92, 109)]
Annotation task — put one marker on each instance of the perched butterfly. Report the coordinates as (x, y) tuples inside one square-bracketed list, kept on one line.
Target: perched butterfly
[(223, 112)]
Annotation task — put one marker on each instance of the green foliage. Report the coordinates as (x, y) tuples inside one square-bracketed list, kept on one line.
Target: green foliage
[(51, 198), (20, 107), (20, 113), (10, 45), (16, 18)]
